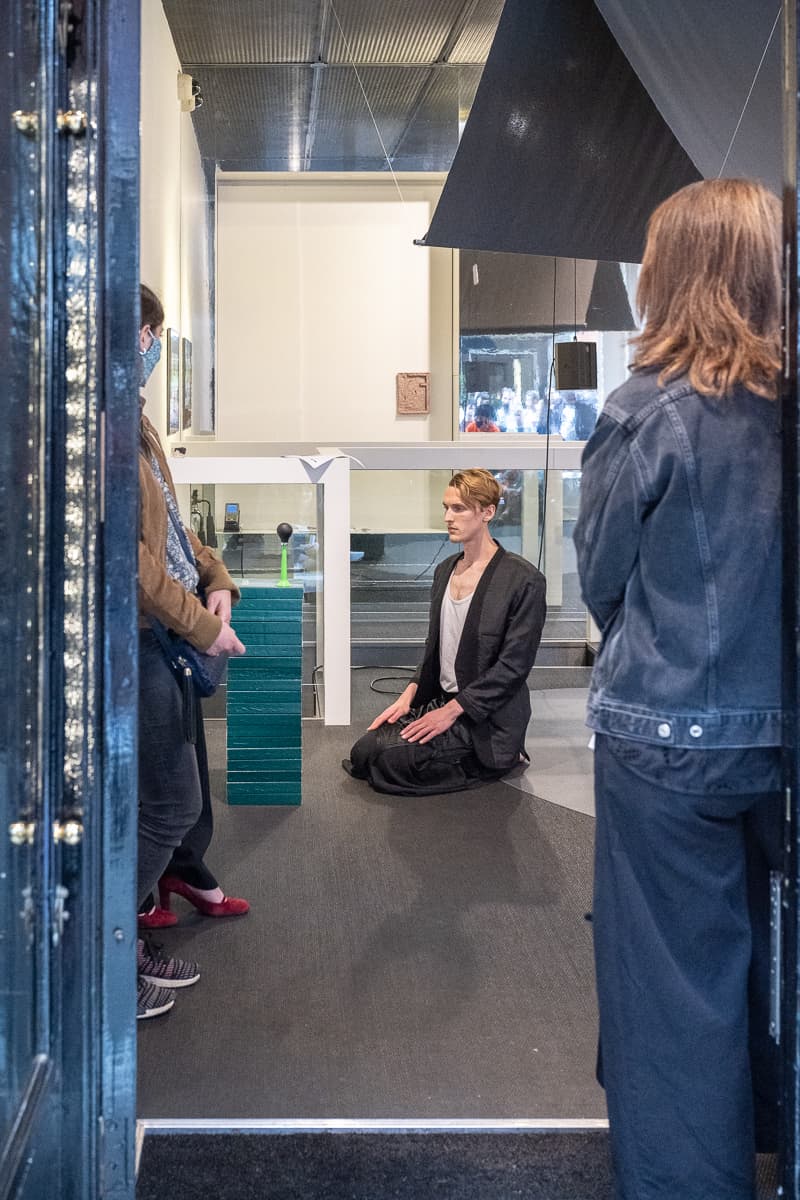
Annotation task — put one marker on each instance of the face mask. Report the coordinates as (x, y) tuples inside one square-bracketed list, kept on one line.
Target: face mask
[(149, 358)]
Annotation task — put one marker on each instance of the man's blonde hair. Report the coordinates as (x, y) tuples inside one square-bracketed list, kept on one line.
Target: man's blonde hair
[(710, 288), (478, 488)]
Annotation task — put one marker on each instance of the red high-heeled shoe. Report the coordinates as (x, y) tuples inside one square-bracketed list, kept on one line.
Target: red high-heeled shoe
[(228, 906), (157, 918)]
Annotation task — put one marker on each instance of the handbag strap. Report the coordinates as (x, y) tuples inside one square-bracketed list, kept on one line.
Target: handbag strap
[(176, 661), (187, 550), (165, 641), (182, 538)]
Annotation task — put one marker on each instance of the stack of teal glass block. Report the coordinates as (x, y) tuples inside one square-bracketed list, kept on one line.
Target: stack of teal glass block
[(264, 697)]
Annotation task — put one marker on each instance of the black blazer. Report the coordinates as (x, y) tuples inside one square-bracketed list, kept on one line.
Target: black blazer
[(497, 650)]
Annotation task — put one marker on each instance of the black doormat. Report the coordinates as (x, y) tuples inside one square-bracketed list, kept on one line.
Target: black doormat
[(369, 1166)]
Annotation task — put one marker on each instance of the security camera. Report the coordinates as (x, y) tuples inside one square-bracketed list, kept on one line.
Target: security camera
[(188, 92)]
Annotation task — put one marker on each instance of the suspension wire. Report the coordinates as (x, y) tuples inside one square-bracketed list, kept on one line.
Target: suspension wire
[(749, 94), (547, 438), (366, 101)]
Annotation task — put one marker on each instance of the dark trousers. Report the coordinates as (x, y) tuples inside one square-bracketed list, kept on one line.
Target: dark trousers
[(447, 763), (187, 861), (681, 931), (170, 793)]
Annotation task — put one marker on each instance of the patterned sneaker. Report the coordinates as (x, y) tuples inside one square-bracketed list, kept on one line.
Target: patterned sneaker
[(165, 972), (152, 1001)]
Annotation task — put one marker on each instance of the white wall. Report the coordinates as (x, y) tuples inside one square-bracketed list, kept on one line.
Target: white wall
[(322, 299), (174, 214)]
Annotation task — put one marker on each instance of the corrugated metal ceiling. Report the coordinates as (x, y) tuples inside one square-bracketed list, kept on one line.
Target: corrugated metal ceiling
[(282, 92)]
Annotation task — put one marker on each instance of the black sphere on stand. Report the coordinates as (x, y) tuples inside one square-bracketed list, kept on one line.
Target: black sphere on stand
[(284, 532)]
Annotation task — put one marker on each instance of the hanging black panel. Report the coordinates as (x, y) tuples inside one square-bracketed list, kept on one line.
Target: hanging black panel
[(521, 293), (564, 153), (609, 307)]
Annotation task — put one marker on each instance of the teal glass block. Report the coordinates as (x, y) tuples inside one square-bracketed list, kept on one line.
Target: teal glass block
[(276, 674), (269, 706), (256, 686), (239, 667), (264, 698), (275, 671), (260, 793), (265, 758), (263, 732), (276, 602), (262, 635), (268, 652), (281, 614), (239, 703), (290, 627), (271, 590), (285, 775)]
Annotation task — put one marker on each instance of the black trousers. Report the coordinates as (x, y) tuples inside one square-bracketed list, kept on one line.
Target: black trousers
[(187, 861), (170, 790), (681, 931), (176, 821), (447, 763)]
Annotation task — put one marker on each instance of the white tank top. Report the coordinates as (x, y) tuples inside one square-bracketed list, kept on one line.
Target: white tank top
[(453, 616)]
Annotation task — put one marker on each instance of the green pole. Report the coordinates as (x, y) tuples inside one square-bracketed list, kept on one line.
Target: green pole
[(284, 579)]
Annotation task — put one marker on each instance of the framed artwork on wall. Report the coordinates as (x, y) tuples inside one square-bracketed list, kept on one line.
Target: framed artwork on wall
[(413, 392), (186, 377), (173, 382)]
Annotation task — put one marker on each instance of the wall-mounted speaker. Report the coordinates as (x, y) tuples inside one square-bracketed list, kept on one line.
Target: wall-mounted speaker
[(576, 366)]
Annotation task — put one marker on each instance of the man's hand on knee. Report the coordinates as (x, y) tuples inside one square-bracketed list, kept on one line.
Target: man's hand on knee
[(395, 711), (431, 724)]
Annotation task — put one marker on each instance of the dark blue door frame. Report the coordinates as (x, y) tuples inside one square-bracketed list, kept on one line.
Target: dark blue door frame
[(68, 473), (790, 966), (69, 168)]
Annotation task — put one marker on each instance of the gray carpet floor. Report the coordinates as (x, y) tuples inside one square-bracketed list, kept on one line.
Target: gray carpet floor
[(403, 958), (562, 765)]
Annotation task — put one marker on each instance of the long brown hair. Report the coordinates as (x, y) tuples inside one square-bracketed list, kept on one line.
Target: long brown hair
[(710, 286)]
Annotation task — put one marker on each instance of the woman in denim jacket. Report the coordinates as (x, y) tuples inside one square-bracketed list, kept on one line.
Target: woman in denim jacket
[(679, 554)]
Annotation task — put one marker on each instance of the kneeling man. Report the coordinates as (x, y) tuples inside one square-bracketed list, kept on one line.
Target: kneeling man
[(462, 719)]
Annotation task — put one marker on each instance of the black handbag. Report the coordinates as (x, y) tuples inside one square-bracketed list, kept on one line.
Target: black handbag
[(207, 670), (198, 674)]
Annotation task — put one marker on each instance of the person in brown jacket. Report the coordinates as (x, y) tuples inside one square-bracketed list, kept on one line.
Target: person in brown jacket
[(175, 817)]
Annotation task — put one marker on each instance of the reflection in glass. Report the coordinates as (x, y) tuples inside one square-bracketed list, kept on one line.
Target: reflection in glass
[(398, 540), (239, 522), (507, 387), (514, 309)]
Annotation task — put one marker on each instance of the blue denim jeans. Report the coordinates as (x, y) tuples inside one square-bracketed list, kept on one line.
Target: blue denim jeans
[(681, 932), (170, 795)]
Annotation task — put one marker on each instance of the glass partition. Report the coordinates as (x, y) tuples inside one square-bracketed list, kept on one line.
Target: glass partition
[(398, 539), (239, 522), (514, 310)]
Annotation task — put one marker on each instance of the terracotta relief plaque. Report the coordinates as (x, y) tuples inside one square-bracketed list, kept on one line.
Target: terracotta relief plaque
[(413, 392)]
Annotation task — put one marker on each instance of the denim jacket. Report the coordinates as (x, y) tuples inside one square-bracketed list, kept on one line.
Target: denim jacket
[(679, 555)]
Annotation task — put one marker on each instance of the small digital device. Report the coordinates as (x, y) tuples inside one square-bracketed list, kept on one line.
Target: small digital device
[(231, 518)]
